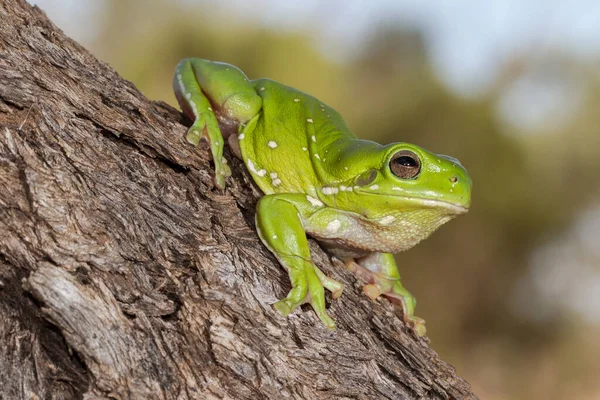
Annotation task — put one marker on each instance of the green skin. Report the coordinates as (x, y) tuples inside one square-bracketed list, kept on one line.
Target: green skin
[(319, 179)]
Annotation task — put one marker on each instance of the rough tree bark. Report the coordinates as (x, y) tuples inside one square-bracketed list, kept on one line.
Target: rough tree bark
[(125, 274)]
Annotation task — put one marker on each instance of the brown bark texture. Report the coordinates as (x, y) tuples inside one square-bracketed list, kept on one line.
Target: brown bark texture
[(124, 274)]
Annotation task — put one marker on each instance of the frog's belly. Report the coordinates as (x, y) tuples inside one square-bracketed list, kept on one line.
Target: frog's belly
[(342, 251), (357, 237)]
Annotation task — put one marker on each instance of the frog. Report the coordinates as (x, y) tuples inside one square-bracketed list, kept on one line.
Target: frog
[(361, 200)]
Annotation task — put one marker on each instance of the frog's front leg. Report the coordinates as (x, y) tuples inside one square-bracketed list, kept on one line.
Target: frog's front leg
[(279, 226), (380, 270), (214, 95)]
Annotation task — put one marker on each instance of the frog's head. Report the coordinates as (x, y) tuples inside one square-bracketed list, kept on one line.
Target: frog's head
[(429, 180), (413, 190)]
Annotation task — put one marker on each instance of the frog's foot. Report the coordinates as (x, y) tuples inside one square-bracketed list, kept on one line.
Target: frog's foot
[(397, 294), (207, 129), (308, 285), (392, 289)]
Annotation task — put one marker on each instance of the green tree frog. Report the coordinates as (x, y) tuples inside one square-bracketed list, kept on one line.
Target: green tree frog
[(362, 200)]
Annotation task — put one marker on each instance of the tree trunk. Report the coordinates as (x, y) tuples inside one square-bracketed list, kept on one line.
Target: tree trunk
[(125, 274)]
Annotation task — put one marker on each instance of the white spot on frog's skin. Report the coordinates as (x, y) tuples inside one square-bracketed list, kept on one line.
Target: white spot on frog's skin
[(188, 96), (272, 144), (241, 136), (313, 201), (275, 181), (252, 168), (435, 168), (343, 188), (374, 187), (345, 168), (274, 237), (180, 81), (262, 88), (333, 226), (329, 190), (209, 109), (309, 120), (313, 138), (397, 188), (317, 156), (304, 149), (388, 219), (296, 100), (194, 108), (216, 143)]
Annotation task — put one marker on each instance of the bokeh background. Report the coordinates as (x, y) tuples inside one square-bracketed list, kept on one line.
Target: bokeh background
[(510, 292)]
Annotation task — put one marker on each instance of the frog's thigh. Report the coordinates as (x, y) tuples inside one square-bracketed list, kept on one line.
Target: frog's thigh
[(280, 228), (227, 87)]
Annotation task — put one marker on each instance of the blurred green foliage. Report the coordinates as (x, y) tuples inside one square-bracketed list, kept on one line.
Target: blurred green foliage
[(528, 186)]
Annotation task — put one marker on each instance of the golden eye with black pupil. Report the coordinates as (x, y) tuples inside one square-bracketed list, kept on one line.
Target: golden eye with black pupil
[(405, 164)]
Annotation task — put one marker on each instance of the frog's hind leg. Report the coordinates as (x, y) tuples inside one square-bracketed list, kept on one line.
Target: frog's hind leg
[(381, 273), (280, 228), (217, 97)]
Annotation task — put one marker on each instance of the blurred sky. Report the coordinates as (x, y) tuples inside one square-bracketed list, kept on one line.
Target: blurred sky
[(468, 40)]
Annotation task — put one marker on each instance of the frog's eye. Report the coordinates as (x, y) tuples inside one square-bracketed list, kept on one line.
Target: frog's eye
[(405, 164)]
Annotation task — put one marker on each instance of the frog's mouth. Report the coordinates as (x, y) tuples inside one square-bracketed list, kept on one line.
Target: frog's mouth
[(451, 207)]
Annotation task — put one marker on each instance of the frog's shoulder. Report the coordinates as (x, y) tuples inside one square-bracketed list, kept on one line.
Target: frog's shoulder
[(263, 84), (283, 96)]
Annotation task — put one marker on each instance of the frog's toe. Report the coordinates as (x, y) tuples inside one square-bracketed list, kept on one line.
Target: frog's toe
[(284, 307), (335, 287), (316, 298), (372, 291), (335, 294), (193, 136), (418, 324), (326, 320), (219, 181)]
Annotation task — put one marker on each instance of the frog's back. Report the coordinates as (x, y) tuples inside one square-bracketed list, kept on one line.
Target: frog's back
[(286, 145)]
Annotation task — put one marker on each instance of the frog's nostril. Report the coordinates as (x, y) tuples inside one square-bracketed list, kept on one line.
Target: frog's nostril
[(454, 179)]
